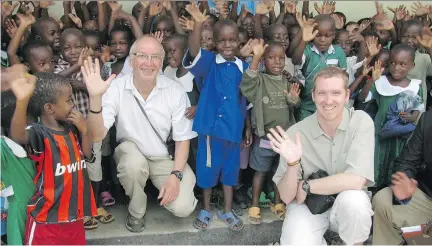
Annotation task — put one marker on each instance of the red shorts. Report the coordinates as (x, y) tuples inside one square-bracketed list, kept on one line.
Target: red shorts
[(72, 233)]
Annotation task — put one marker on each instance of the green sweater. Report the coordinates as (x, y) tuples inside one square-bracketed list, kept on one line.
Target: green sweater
[(272, 107)]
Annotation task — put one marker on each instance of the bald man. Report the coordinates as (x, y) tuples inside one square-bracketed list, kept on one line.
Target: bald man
[(142, 153)]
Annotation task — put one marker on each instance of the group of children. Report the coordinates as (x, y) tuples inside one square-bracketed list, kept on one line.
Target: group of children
[(244, 70)]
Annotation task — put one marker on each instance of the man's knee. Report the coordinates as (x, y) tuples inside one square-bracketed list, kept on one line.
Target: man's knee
[(382, 201), (131, 163), (354, 203), (183, 207)]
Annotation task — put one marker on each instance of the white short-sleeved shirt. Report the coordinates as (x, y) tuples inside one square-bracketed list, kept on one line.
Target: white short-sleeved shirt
[(165, 106)]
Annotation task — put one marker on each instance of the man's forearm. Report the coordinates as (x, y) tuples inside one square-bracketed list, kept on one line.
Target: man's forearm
[(95, 121), (181, 154), (288, 184), (337, 183)]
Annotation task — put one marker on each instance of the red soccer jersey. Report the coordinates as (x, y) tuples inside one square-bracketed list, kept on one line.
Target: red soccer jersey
[(63, 188)]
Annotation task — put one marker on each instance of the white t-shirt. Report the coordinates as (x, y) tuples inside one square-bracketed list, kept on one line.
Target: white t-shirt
[(186, 81)]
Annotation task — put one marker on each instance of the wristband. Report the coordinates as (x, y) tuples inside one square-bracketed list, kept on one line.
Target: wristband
[(96, 112), (294, 163)]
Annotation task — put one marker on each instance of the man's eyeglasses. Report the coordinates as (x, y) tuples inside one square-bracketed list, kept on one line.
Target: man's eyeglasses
[(148, 57)]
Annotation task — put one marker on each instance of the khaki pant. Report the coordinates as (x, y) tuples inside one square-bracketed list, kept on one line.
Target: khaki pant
[(390, 218), (133, 171), (350, 216), (94, 169)]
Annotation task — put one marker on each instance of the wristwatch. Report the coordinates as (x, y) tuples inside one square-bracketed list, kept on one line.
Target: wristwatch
[(178, 174), (306, 187)]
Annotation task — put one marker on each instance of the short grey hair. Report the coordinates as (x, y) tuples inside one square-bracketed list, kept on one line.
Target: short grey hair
[(134, 45)]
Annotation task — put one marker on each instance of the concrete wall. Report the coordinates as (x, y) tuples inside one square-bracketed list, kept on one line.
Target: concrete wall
[(354, 10)]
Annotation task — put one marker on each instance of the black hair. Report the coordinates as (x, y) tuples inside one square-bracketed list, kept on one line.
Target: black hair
[(410, 23), (36, 28), (33, 44), (8, 102), (325, 18), (271, 43), (91, 33), (179, 37), (340, 14), (127, 32), (221, 24), (350, 23), (268, 32), (162, 18), (371, 33), (213, 18), (404, 47), (47, 85), (71, 31), (339, 32)]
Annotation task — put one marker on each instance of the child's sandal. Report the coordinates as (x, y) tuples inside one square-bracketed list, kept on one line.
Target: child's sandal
[(90, 223), (233, 222), (103, 216), (204, 217), (279, 210), (254, 215)]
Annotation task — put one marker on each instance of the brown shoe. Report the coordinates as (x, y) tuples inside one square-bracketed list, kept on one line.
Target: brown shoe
[(90, 223)]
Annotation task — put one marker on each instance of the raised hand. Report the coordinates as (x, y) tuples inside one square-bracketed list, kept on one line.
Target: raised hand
[(159, 36), (11, 27), (144, 3), (425, 39), (294, 91), (167, 5), (379, 8), (76, 20), (328, 7), (186, 24), (115, 7), (403, 187), (155, 8), (26, 20), (377, 70), (363, 25), (309, 32), (383, 23), (243, 12), (7, 9), (195, 12), (86, 52), (45, 4), (91, 73), (339, 23), (356, 37), (291, 6), (222, 7), (23, 86), (106, 54), (400, 12), (290, 150), (373, 46), (247, 48), (419, 9), (366, 68), (78, 120), (264, 8), (258, 47)]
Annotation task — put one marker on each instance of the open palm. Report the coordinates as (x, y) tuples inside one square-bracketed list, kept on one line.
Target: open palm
[(290, 150), (23, 87), (96, 86)]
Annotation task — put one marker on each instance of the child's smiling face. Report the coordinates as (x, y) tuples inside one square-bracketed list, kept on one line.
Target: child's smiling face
[(344, 42), (400, 63), (274, 59), (280, 34), (50, 32), (174, 52), (409, 36), (41, 60), (71, 46), (227, 42), (207, 41)]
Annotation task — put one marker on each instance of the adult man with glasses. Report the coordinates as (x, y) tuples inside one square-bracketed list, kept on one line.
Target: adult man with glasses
[(141, 153)]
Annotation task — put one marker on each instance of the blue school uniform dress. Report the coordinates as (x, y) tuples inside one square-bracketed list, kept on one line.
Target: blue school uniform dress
[(219, 118)]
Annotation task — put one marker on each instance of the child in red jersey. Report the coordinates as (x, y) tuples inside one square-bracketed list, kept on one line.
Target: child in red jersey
[(58, 144)]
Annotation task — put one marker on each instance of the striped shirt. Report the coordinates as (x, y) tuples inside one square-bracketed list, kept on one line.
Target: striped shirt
[(63, 188)]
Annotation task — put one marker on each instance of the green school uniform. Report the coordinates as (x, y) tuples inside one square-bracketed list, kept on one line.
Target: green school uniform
[(18, 171), (388, 149), (314, 61)]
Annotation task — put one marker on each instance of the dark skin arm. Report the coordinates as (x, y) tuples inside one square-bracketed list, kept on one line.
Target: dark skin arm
[(258, 28), (68, 23), (174, 16), (101, 16), (14, 44), (233, 14), (194, 39), (294, 43), (305, 9)]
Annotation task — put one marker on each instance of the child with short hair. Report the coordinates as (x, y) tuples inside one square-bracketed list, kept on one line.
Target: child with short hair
[(63, 190), (274, 99), (48, 30), (313, 50), (218, 121), (412, 33), (385, 89)]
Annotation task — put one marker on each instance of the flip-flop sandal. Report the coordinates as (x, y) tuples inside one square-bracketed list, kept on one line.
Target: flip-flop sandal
[(254, 215), (205, 217), (279, 210), (90, 223), (107, 199), (103, 216), (233, 222), (264, 202)]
